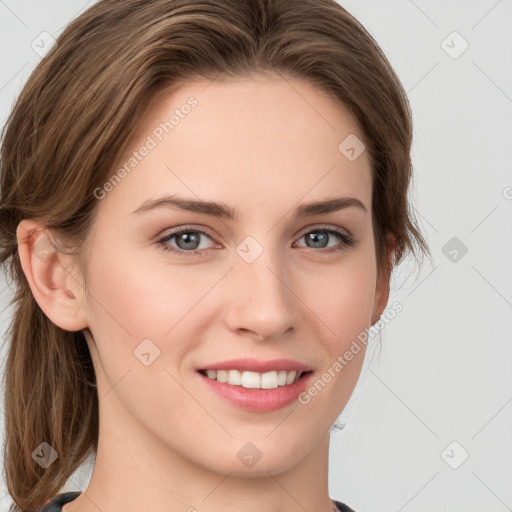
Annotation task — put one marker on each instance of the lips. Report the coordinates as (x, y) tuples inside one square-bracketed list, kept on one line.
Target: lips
[(257, 385), (258, 400)]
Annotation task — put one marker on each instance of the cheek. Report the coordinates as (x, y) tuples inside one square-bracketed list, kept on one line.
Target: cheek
[(136, 299), (343, 296), (343, 301)]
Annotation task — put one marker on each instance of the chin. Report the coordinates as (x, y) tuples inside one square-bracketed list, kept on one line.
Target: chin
[(270, 459), (260, 469)]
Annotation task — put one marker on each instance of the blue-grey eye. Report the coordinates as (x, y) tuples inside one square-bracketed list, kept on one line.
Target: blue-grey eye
[(318, 239), (188, 240)]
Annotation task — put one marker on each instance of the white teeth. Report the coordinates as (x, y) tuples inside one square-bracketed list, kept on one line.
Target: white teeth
[(290, 377), (235, 378), (269, 380), (222, 375), (254, 380), (251, 380)]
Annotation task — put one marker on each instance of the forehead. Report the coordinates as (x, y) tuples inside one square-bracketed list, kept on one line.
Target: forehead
[(260, 138)]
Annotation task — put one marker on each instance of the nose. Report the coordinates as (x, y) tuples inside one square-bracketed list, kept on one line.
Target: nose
[(260, 298)]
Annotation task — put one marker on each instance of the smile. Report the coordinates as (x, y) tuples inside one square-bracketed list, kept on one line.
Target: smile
[(254, 380)]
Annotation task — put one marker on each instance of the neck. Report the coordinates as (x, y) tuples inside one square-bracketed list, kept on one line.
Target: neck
[(148, 475)]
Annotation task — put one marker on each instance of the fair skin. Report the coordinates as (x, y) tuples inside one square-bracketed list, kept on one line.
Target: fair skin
[(167, 442)]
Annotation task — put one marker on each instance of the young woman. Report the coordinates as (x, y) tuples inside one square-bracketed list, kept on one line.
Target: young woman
[(201, 205)]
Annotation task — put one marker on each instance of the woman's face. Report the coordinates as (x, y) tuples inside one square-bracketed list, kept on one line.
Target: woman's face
[(262, 285)]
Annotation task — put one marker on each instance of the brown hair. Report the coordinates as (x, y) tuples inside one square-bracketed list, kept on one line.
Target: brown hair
[(74, 118)]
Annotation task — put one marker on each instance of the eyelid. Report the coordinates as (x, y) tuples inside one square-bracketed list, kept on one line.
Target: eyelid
[(186, 227), (312, 227)]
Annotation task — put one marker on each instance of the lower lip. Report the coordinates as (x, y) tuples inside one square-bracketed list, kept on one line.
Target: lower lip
[(258, 400)]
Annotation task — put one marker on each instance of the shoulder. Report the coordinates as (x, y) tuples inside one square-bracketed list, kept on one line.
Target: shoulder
[(57, 502), (341, 506)]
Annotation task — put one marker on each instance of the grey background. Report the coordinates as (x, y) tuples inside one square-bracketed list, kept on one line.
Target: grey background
[(443, 375)]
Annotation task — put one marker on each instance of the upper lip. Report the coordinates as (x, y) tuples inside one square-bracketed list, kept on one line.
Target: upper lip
[(256, 365)]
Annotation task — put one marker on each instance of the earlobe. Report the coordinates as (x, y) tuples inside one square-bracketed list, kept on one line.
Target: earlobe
[(55, 289)]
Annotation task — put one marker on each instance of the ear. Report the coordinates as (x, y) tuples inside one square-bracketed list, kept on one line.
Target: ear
[(383, 277), (57, 291)]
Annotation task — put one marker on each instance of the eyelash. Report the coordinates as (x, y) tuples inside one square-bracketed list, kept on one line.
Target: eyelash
[(348, 241)]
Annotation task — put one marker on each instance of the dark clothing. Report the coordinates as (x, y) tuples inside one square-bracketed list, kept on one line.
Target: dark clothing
[(55, 505)]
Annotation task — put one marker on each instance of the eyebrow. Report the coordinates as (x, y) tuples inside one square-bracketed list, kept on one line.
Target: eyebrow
[(221, 210)]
